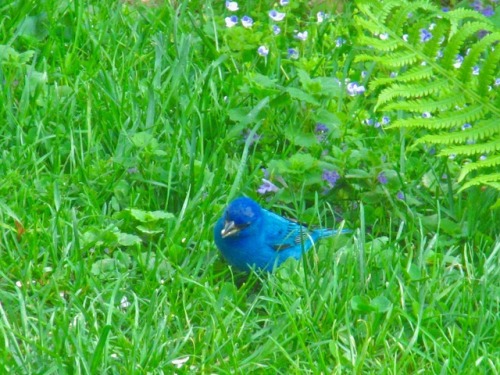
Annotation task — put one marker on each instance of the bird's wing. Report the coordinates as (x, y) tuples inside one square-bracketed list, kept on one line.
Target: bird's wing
[(282, 233)]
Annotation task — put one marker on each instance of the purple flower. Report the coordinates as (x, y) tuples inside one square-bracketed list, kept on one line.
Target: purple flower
[(353, 88), (276, 16), (368, 121), (246, 134), (247, 21), (276, 29), (232, 6), (488, 11), (400, 195), (425, 35), (382, 178), (331, 177), (263, 51), (458, 61), (385, 120), (231, 21), (321, 128), (293, 54), (466, 126), (475, 70), (267, 187)]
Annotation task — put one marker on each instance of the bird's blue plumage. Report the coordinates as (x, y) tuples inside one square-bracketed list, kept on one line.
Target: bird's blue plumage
[(249, 236)]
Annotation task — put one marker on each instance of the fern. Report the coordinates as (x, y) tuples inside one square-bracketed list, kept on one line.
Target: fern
[(453, 78)]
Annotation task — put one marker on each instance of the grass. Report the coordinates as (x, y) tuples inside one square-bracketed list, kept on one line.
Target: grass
[(119, 152)]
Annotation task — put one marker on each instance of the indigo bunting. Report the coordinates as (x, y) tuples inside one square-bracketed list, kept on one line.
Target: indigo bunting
[(249, 236)]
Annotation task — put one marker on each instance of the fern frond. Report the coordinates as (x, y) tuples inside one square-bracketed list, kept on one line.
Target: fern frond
[(472, 149), (427, 105), (398, 91), (451, 75), (492, 180), (482, 130), (487, 163)]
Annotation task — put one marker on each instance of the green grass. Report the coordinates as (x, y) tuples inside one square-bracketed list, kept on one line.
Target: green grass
[(125, 107)]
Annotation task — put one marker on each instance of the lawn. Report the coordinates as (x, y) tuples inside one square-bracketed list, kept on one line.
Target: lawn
[(127, 127)]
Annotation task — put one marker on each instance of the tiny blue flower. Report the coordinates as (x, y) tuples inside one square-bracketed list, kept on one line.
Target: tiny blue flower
[(393, 74), (426, 115), (276, 29), (385, 120), (339, 41), (439, 54), (466, 126), (301, 35), (400, 195), (458, 61), (321, 128), (267, 187), (364, 73), (377, 125), (483, 157), (231, 21), (276, 16), (452, 156), (353, 88), (445, 9), (263, 51), (320, 16), (293, 54), (425, 35), (475, 70), (331, 177), (382, 178), (232, 6), (368, 121), (497, 82), (247, 21), (488, 11), (284, 2)]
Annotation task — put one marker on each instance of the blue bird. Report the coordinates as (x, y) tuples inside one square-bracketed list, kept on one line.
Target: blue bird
[(249, 236)]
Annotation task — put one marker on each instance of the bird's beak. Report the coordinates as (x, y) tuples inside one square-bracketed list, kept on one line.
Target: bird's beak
[(230, 229)]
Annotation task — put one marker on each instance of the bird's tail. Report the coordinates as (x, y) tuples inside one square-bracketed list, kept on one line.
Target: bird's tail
[(331, 232)]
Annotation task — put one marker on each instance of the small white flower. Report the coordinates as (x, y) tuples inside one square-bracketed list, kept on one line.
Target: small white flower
[(426, 115), (483, 157), (231, 21), (301, 35), (497, 82), (458, 61), (354, 89), (263, 51), (405, 37), (320, 16), (124, 303), (475, 70), (384, 36), (232, 6), (284, 2), (276, 16), (293, 54), (339, 41), (276, 29), (179, 362), (247, 21)]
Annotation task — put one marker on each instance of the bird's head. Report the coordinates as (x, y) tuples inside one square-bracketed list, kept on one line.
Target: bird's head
[(241, 214)]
